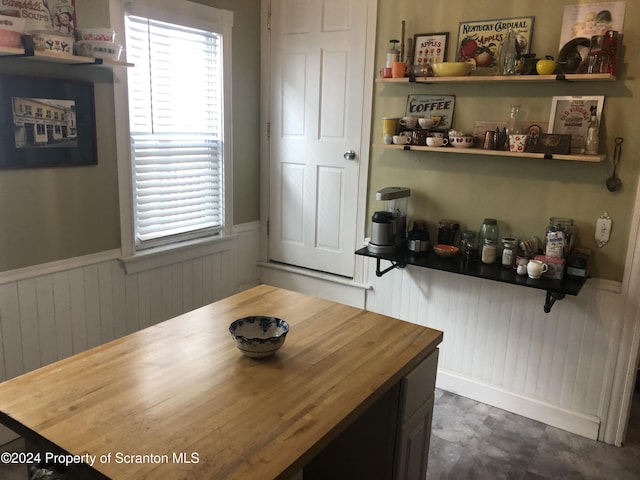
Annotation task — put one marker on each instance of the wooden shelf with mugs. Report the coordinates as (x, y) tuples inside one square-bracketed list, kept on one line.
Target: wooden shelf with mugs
[(494, 153), (561, 77)]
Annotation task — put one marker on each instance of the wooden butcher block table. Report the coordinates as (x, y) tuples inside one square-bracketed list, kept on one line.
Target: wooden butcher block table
[(178, 400)]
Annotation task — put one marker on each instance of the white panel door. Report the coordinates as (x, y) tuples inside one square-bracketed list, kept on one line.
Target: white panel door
[(317, 75)]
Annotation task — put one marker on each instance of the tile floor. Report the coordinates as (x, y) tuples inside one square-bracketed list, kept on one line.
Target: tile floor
[(471, 440), (474, 441)]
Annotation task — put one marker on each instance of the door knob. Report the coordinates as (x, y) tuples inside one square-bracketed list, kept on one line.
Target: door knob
[(349, 155)]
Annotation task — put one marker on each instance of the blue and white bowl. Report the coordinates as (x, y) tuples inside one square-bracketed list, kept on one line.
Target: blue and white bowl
[(259, 336)]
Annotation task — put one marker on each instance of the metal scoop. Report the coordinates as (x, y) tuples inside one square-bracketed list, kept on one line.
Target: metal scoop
[(613, 182)]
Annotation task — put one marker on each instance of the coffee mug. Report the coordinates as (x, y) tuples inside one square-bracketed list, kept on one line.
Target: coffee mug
[(436, 141), (535, 268), (420, 137), (399, 69), (401, 139), (385, 72), (409, 122), (517, 142)]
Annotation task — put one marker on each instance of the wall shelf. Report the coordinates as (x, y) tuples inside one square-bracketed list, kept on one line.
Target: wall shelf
[(8, 52), (495, 153), (562, 77), (555, 289)]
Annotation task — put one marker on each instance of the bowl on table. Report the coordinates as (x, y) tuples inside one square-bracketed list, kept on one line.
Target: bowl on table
[(445, 251), (259, 336), (451, 69)]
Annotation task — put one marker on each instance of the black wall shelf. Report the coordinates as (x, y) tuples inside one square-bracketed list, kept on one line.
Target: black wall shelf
[(555, 289)]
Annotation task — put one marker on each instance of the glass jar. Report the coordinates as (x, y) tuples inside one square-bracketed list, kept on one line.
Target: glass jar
[(469, 246), (559, 237), (509, 251), (488, 238), (489, 252)]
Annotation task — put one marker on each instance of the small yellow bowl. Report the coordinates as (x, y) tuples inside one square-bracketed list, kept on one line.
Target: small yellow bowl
[(445, 250), (451, 69)]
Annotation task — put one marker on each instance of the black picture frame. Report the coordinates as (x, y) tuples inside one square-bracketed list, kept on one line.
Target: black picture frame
[(46, 123)]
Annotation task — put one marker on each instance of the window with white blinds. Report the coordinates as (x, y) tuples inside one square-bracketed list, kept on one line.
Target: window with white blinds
[(176, 127)]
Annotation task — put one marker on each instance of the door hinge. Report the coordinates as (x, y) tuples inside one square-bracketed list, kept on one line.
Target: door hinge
[(268, 227), (269, 21), (268, 129)]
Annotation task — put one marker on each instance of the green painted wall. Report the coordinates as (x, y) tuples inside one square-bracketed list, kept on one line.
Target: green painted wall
[(59, 213), (521, 193)]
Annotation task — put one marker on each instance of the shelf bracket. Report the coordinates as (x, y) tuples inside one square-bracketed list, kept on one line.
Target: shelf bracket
[(551, 299), (394, 265)]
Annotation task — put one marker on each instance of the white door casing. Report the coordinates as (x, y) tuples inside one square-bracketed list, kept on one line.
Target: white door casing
[(317, 73)]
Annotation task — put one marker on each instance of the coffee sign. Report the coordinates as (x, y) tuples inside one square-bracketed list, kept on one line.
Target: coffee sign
[(429, 106)]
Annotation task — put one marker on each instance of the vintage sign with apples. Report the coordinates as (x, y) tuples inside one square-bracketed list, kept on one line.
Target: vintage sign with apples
[(479, 41)]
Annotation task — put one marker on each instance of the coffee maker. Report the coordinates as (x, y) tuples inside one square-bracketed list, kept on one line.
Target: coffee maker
[(389, 226)]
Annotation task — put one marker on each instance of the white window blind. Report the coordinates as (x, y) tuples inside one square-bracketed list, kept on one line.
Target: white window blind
[(176, 125)]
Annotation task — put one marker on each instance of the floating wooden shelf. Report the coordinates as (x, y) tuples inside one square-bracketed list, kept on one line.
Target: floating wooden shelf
[(495, 153), (60, 58), (568, 77)]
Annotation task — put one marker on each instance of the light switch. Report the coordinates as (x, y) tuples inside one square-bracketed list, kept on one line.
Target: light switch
[(603, 229)]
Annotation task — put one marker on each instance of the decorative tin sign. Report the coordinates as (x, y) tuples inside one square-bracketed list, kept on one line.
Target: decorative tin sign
[(439, 107), (479, 41)]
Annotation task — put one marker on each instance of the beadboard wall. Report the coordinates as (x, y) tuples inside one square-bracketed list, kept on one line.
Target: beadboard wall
[(501, 348), (53, 311)]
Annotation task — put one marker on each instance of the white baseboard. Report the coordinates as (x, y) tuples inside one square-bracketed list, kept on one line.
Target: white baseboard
[(580, 424)]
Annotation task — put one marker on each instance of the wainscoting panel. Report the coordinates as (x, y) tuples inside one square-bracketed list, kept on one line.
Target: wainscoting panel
[(502, 348), (70, 308)]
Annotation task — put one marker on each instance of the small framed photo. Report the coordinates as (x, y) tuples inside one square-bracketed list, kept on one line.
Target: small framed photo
[(570, 116), (46, 123), (430, 47)]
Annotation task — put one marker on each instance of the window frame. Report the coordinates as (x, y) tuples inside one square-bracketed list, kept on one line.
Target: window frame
[(198, 16)]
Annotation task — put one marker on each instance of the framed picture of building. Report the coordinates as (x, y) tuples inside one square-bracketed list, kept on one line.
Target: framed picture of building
[(46, 123)]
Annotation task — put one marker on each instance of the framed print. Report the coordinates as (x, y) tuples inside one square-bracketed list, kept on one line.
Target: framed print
[(430, 48), (586, 20), (46, 122), (479, 41), (438, 107), (570, 116)]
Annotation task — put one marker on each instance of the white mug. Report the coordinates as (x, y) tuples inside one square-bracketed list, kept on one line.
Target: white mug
[(535, 268), (436, 141), (409, 122), (401, 139)]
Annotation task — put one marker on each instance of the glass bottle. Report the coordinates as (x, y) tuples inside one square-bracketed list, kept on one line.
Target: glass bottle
[(509, 54), (514, 124), (591, 141), (489, 235), (509, 251)]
